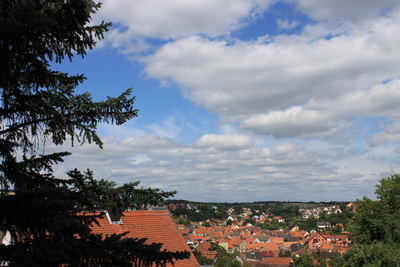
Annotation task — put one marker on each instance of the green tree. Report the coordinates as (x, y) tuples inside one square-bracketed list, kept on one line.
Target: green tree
[(249, 221), (318, 258), (336, 230), (224, 259), (305, 260), (39, 105), (206, 224), (379, 220), (272, 225), (309, 224), (284, 253), (201, 259), (106, 195), (376, 227), (336, 260)]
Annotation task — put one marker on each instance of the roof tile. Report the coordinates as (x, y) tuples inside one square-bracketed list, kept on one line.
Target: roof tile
[(156, 226)]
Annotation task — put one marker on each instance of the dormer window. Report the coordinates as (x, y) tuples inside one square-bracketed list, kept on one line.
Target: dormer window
[(113, 218)]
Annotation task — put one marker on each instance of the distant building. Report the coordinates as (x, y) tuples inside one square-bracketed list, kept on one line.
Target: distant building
[(324, 226)]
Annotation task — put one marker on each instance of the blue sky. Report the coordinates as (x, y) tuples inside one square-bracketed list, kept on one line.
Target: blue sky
[(248, 100)]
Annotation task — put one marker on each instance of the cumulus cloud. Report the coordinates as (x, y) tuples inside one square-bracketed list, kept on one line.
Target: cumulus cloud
[(286, 24), (350, 10), (171, 19), (228, 142), (292, 95), (240, 80), (215, 168), (390, 134), (294, 122), (324, 118)]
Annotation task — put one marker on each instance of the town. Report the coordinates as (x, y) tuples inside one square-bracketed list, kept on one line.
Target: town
[(200, 102), (256, 237)]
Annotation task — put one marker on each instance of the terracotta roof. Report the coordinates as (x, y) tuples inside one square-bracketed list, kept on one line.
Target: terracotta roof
[(300, 233), (263, 247), (184, 231), (277, 240), (219, 240), (198, 238), (205, 249), (288, 244), (250, 240), (156, 226), (279, 261)]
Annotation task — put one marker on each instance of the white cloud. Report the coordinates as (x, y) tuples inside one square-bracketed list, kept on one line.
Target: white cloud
[(324, 118), (224, 141), (304, 86), (171, 19), (390, 134), (249, 80), (293, 122), (166, 128), (354, 10), (286, 24), (221, 168)]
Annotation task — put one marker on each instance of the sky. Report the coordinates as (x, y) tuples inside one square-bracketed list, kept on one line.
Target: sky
[(247, 100)]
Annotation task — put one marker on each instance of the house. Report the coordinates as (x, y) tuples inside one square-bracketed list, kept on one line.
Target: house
[(223, 243), (262, 238), (272, 247), (206, 250), (253, 256), (157, 226), (237, 244), (279, 261), (324, 226), (279, 219), (335, 242), (276, 240)]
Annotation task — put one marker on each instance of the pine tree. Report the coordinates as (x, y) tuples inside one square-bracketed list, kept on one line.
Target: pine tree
[(39, 105)]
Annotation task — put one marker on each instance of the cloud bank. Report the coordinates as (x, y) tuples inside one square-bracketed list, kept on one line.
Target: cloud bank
[(307, 108)]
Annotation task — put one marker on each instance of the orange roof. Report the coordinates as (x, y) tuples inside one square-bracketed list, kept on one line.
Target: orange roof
[(277, 240), (206, 250), (250, 240), (262, 247), (327, 247), (184, 231), (156, 226), (279, 261), (198, 238), (288, 244), (300, 233), (341, 250)]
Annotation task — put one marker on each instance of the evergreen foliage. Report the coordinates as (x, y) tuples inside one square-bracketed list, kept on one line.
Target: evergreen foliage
[(39, 105), (105, 195)]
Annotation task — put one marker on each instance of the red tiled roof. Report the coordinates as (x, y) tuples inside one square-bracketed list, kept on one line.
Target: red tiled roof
[(263, 247), (279, 261), (156, 226), (205, 249), (277, 240), (184, 231)]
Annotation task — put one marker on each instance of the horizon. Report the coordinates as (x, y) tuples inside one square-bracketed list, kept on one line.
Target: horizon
[(259, 201), (241, 100)]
